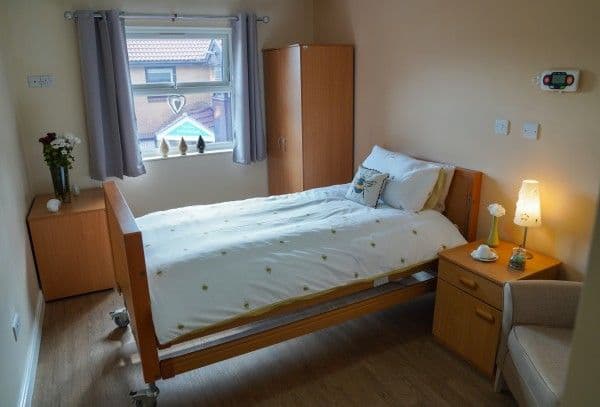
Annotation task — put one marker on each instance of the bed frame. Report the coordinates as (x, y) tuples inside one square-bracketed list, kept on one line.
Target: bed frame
[(246, 334)]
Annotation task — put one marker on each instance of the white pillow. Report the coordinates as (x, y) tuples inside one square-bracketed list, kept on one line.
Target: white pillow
[(412, 190), (420, 183)]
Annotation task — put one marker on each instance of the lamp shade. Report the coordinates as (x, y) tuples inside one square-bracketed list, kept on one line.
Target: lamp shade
[(528, 212)]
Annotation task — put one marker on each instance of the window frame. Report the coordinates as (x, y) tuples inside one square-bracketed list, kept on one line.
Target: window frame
[(175, 88)]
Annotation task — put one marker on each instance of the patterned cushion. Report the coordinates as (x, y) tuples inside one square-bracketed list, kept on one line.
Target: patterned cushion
[(367, 186)]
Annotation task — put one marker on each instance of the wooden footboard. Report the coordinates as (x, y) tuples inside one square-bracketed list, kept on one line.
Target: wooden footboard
[(130, 275)]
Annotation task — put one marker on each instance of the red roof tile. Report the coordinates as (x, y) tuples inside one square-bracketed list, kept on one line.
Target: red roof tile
[(168, 50)]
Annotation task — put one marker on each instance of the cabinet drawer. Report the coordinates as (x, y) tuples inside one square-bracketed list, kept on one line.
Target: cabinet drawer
[(477, 286), (467, 326)]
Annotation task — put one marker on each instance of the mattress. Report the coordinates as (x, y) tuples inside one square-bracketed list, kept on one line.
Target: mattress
[(210, 264)]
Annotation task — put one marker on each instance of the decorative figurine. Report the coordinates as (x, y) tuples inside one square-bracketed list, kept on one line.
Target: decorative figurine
[(164, 148), (183, 147), (201, 144)]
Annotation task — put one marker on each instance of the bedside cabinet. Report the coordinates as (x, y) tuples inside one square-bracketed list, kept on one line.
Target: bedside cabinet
[(468, 304), (71, 247)]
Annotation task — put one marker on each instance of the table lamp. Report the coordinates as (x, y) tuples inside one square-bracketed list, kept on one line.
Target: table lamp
[(528, 212)]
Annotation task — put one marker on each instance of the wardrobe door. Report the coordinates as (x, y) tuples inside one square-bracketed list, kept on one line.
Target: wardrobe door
[(272, 62), (327, 114), (291, 124), (284, 120)]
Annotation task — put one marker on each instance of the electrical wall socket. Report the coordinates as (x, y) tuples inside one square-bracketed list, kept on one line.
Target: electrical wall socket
[(16, 326), (530, 130), (40, 81)]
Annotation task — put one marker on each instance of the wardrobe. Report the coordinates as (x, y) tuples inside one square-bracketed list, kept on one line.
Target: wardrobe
[(309, 103)]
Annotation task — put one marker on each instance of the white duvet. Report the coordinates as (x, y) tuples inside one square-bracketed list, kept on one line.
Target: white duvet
[(209, 264)]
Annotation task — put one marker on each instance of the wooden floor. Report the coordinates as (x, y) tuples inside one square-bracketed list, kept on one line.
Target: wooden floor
[(388, 358)]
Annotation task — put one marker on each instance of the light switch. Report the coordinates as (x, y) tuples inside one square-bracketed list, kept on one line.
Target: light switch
[(530, 130), (502, 127)]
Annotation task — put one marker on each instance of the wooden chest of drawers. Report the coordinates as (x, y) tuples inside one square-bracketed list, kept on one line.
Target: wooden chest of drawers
[(468, 307)]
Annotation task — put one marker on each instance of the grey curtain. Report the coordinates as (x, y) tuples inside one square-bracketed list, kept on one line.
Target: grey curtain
[(110, 115), (248, 123)]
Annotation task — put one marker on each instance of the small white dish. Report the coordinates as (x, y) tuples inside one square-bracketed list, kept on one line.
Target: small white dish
[(487, 260)]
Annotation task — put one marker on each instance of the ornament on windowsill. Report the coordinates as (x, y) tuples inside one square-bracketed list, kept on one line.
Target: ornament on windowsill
[(201, 144), (164, 148), (183, 147)]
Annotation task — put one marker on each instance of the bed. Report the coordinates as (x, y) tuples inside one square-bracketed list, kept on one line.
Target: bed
[(205, 283)]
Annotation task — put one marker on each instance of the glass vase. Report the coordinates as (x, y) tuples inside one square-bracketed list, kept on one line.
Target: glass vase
[(493, 240), (61, 184)]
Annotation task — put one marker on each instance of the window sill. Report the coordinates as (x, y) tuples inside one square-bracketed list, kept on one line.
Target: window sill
[(190, 155)]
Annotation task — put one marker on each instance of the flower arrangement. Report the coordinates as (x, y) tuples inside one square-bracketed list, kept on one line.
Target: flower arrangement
[(58, 150), (58, 154), (497, 211)]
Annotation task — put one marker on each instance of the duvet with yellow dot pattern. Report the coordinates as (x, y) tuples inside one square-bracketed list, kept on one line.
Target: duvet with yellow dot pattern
[(209, 264)]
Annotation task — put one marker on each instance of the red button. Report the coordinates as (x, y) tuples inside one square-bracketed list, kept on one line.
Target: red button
[(570, 79), (546, 79)]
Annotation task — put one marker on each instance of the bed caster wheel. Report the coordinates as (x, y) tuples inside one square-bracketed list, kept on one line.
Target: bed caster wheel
[(120, 317), (145, 398)]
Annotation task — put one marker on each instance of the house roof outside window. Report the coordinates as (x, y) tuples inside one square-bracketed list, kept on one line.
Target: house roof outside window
[(166, 50)]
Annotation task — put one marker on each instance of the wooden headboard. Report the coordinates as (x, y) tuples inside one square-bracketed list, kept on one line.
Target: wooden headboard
[(462, 202)]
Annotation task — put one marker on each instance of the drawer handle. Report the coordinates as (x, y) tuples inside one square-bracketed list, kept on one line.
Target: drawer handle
[(485, 315), (467, 282)]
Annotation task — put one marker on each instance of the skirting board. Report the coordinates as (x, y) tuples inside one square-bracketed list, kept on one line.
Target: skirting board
[(32, 355)]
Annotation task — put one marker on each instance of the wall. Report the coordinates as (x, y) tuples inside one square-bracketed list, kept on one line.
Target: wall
[(431, 78), (48, 45), (584, 367), (18, 288)]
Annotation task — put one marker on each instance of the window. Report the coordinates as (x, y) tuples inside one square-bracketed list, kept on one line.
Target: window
[(181, 85), (160, 75)]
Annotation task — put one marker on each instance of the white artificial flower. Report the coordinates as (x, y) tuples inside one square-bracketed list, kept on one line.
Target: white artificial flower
[(496, 210), (72, 139)]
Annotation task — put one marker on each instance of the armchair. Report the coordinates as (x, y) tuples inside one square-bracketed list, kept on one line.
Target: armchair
[(537, 327)]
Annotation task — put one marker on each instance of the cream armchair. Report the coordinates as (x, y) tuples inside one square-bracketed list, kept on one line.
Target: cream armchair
[(534, 350)]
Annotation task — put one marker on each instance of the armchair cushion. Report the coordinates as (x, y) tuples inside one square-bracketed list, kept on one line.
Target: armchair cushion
[(541, 356)]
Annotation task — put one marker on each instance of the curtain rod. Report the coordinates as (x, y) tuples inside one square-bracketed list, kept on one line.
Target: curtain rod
[(70, 15)]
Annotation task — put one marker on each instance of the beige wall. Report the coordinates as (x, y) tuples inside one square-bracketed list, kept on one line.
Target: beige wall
[(584, 368), (41, 41), (432, 76), (18, 284)]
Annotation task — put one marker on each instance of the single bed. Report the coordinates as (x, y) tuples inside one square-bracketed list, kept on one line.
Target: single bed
[(233, 277)]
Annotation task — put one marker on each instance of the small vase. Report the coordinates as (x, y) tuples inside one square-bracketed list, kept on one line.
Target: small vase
[(493, 240), (60, 181)]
